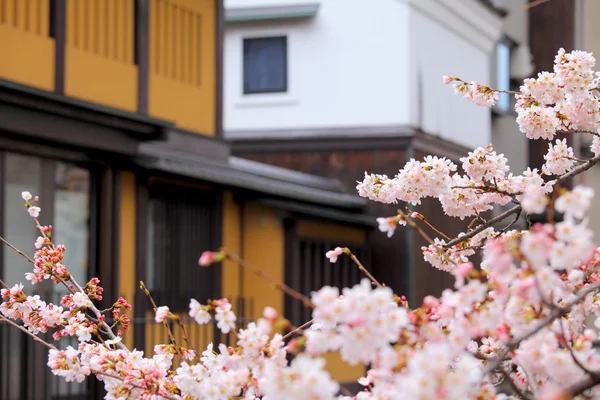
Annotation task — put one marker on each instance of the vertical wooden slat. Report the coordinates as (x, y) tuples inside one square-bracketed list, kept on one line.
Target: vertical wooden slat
[(42, 17), (59, 15), (143, 53), (103, 31), (198, 66), (88, 30), (117, 23), (168, 35), (2, 17), (129, 30), (92, 26), (70, 23), (194, 43), (154, 37), (79, 22), (185, 40), (164, 29), (20, 14), (174, 39), (111, 36), (26, 22), (32, 16), (9, 13)]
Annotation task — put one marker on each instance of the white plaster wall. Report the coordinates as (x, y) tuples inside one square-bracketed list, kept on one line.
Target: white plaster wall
[(363, 63), (348, 67), (436, 51)]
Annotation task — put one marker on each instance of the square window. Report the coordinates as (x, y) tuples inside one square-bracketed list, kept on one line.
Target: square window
[(265, 65)]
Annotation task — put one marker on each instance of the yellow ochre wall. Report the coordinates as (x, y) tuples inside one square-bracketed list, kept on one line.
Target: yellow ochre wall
[(263, 248), (127, 237), (27, 48), (339, 370), (183, 63), (99, 53)]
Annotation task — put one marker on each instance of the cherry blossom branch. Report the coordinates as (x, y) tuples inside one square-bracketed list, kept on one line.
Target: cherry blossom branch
[(482, 227), (513, 385), (275, 282), (133, 385), (554, 314), (98, 314), (17, 250), (155, 309), (36, 338), (298, 329), (361, 267)]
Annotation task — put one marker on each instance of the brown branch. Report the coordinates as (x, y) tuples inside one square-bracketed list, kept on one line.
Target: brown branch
[(17, 250), (298, 329), (23, 329), (117, 377), (554, 314), (577, 170), (535, 3), (275, 282), (482, 227), (513, 385), (362, 268)]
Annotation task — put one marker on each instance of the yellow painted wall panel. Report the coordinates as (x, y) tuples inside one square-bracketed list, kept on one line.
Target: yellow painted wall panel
[(183, 64), (127, 224), (100, 80), (190, 107), (27, 58), (263, 248), (329, 231), (230, 276), (340, 370)]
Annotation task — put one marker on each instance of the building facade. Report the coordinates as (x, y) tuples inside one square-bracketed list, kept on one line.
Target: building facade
[(111, 112), (340, 87)]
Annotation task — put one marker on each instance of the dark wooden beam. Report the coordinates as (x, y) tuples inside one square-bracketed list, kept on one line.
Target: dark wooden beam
[(142, 51), (58, 31), (551, 26)]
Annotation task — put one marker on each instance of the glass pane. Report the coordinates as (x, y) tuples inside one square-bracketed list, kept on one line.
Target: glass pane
[(71, 219), (22, 173), (265, 65), (503, 75)]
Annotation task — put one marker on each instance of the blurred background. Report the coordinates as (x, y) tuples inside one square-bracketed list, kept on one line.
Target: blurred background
[(153, 130)]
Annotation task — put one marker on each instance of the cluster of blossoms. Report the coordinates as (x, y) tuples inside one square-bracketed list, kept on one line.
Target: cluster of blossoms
[(521, 326), (479, 94)]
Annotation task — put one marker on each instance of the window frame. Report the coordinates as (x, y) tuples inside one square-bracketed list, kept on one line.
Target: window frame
[(285, 88), (511, 46)]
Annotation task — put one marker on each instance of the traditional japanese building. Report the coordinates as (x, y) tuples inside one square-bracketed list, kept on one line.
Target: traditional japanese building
[(111, 111)]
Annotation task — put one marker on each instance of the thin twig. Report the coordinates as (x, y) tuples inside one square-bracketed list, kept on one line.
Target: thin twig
[(131, 384), (483, 227), (535, 3), (17, 250), (362, 268), (23, 329), (275, 282), (513, 385), (155, 308), (554, 314), (298, 329)]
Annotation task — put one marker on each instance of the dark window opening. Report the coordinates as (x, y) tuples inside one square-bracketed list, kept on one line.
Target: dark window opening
[(265, 65), (315, 271), (180, 227)]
